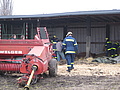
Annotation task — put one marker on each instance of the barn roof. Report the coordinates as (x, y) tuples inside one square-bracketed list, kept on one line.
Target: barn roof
[(79, 16), (96, 12)]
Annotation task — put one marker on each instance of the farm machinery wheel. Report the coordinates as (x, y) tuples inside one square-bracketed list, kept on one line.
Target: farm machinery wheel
[(53, 67), (2, 73)]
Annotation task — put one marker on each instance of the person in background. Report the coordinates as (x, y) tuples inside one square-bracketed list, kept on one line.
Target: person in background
[(54, 40), (70, 46), (108, 48), (116, 46), (37, 36), (59, 51), (13, 37), (22, 37)]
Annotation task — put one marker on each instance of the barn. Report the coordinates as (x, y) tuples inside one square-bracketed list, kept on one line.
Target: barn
[(90, 28)]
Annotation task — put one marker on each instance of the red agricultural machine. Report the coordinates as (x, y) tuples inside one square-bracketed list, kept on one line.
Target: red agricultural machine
[(31, 57)]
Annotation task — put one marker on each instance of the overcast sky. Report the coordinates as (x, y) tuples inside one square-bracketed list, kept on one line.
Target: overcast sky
[(30, 7)]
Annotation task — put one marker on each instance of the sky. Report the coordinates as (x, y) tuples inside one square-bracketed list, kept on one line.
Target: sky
[(31, 7)]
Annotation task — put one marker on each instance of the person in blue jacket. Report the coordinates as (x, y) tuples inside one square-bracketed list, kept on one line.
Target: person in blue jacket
[(54, 40), (70, 46)]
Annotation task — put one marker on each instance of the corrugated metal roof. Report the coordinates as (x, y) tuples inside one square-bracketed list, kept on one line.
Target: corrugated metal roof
[(96, 12)]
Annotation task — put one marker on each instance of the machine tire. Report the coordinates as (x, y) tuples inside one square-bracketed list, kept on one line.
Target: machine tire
[(53, 67), (2, 73)]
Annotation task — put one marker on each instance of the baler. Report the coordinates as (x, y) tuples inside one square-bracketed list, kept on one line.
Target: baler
[(31, 57)]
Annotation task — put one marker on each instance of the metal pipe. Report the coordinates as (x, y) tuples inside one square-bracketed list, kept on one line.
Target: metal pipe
[(29, 80)]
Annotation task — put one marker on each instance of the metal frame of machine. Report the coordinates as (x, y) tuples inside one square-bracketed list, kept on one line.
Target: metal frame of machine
[(31, 57)]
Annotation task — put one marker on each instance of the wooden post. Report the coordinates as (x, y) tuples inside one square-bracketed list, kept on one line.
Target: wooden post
[(32, 33), (108, 31), (26, 30), (64, 31), (0, 32), (88, 38)]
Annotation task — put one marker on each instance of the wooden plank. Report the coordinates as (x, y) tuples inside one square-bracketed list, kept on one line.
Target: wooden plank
[(88, 38)]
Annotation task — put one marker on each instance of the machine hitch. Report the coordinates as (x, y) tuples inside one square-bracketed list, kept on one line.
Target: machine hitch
[(34, 68)]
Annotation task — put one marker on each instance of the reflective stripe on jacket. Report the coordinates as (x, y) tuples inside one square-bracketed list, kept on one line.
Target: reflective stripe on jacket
[(70, 45)]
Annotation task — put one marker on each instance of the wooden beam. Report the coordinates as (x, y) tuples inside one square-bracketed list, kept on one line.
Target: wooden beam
[(108, 31), (65, 31), (88, 38)]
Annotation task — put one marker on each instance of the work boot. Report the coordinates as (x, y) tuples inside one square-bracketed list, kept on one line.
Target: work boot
[(72, 68), (68, 70)]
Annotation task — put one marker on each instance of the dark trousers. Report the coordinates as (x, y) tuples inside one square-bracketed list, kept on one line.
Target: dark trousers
[(112, 53), (116, 52), (108, 53), (70, 60)]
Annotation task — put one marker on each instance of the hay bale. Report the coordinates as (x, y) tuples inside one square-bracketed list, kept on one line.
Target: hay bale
[(89, 59)]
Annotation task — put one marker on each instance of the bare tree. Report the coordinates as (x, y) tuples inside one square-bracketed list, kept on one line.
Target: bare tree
[(6, 7)]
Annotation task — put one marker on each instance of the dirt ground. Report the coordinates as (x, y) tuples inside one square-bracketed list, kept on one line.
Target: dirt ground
[(85, 76)]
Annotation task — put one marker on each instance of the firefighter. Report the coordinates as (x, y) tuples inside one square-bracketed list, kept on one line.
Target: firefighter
[(112, 51), (116, 46), (70, 46), (54, 40), (108, 46)]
